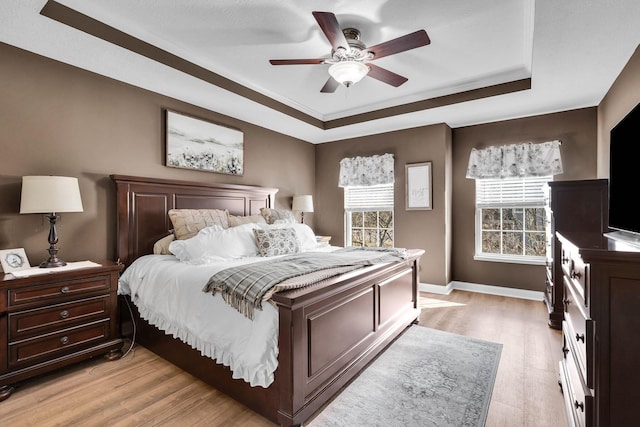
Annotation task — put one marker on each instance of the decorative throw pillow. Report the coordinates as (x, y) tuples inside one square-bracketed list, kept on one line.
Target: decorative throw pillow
[(187, 222), (278, 241), (306, 236), (273, 215), (161, 247), (235, 221)]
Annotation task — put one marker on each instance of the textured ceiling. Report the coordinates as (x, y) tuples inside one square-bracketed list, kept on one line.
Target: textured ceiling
[(487, 61)]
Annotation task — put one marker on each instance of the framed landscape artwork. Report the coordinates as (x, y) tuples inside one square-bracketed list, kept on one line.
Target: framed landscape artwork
[(418, 184), (193, 143)]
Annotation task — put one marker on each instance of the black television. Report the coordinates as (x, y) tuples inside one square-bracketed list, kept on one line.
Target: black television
[(624, 178)]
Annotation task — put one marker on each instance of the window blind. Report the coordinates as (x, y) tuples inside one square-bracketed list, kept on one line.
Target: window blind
[(512, 192), (376, 198)]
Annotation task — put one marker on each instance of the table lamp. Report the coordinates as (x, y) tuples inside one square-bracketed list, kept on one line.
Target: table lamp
[(50, 195), (302, 204)]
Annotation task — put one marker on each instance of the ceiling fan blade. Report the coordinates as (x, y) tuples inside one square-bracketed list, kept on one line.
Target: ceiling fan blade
[(385, 76), (296, 61), (330, 86), (406, 42), (330, 27)]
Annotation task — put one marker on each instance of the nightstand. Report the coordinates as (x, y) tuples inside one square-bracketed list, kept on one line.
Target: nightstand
[(52, 320), (323, 240)]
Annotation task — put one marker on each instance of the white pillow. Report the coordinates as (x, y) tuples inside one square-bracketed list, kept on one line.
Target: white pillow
[(215, 243), (306, 236)]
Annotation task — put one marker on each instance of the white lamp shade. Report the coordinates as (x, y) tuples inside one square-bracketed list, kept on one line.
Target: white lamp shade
[(348, 72), (50, 194), (303, 203)]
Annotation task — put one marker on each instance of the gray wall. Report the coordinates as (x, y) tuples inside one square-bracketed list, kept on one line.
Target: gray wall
[(60, 120), (447, 233), (424, 229), (577, 131), (623, 95)]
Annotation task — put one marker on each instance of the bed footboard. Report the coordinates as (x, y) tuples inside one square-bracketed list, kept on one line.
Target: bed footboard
[(329, 333)]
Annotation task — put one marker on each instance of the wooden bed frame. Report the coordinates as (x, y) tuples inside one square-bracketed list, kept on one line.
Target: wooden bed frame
[(327, 333)]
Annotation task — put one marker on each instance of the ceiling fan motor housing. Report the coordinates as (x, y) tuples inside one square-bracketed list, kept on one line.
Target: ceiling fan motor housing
[(356, 47)]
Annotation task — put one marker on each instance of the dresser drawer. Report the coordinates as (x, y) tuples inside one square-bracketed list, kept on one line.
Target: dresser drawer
[(47, 347), (578, 330), (565, 259), (63, 290), (579, 278), (577, 397), (41, 320), (549, 280)]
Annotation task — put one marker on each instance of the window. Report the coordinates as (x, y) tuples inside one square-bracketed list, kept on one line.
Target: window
[(512, 219), (369, 215)]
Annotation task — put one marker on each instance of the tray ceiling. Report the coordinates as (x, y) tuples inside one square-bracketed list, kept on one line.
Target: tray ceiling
[(487, 61)]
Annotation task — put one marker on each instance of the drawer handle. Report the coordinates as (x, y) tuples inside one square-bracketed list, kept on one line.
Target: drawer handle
[(565, 350), (580, 337), (64, 314), (64, 340), (579, 405), (565, 260), (566, 301), (64, 289), (576, 275)]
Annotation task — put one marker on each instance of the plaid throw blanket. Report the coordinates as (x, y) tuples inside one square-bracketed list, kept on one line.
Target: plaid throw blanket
[(245, 287)]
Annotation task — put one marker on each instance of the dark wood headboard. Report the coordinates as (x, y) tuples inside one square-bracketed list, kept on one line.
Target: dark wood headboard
[(143, 205)]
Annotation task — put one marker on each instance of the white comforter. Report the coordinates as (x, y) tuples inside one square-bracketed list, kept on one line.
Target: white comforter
[(168, 294)]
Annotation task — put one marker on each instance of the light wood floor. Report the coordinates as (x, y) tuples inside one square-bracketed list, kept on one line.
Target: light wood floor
[(144, 390)]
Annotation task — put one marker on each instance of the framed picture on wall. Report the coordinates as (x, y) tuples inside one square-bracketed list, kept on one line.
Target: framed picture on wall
[(13, 260), (418, 183), (193, 143)]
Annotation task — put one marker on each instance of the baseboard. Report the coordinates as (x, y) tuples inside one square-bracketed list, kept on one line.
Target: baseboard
[(436, 289), (483, 289)]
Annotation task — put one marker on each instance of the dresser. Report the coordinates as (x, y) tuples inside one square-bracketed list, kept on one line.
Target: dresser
[(576, 206), (600, 367), (55, 319)]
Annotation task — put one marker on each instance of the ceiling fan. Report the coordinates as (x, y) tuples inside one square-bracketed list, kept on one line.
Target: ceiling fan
[(350, 58)]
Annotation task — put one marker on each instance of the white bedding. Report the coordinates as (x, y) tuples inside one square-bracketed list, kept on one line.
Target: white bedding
[(168, 294)]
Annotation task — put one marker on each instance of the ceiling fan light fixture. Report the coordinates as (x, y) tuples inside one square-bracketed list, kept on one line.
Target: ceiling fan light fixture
[(348, 72)]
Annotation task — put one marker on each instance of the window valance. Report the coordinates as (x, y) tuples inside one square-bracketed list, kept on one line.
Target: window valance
[(516, 160), (366, 171)]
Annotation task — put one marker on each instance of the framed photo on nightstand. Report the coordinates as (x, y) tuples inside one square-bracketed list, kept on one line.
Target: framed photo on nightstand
[(13, 260)]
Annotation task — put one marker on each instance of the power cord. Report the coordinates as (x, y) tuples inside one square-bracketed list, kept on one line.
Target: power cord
[(110, 367)]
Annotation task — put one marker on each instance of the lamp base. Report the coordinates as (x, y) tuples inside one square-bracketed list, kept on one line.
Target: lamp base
[(52, 262)]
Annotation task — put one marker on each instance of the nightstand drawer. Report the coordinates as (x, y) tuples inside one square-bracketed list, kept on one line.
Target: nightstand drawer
[(59, 290), (47, 347), (38, 321)]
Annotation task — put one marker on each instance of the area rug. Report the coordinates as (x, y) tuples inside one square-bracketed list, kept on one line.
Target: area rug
[(425, 378)]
